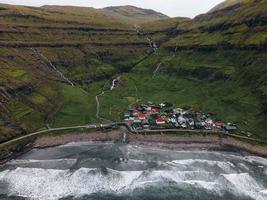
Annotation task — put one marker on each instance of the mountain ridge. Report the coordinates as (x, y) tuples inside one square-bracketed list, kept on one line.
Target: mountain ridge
[(127, 12)]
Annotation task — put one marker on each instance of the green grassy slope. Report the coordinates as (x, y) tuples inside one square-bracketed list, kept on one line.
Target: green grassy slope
[(241, 26), (126, 14), (226, 4), (85, 50), (215, 62)]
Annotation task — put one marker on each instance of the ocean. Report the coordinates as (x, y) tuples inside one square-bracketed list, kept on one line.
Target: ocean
[(108, 171)]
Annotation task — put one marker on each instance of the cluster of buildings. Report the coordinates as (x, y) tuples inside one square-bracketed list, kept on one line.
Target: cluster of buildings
[(164, 116)]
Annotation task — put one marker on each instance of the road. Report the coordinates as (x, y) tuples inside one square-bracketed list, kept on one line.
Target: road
[(98, 104), (46, 131), (130, 129)]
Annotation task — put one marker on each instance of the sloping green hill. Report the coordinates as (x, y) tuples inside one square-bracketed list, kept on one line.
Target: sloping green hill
[(137, 15), (225, 4), (126, 14), (215, 62)]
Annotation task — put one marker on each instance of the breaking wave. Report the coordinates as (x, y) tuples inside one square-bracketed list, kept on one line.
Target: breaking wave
[(91, 173), (51, 184)]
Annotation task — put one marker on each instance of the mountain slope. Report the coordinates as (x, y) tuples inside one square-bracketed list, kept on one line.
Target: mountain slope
[(127, 14), (136, 14), (214, 63), (225, 4)]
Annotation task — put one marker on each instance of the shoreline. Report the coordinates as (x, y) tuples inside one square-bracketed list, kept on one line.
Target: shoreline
[(170, 142), (53, 141)]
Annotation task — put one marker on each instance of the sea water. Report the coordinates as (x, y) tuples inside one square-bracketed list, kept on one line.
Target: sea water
[(108, 171)]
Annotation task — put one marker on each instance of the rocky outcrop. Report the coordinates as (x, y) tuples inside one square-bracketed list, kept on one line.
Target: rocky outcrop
[(8, 127), (200, 73)]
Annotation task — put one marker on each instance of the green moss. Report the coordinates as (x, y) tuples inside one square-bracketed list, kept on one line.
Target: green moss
[(48, 91), (17, 73), (77, 108), (37, 99), (28, 118)]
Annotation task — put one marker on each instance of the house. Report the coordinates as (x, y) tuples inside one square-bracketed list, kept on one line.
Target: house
[(183, 125), (191, 123), (177, 125), (162, 105), (181, 120), (172, 120), (148, 108), (128, 120), (177, 110), (199, 125), (230, 127), (209, 122), (153, 111), (145, 124), (160, 121), (219, 124), (137, 125), (137, 120), (127, 114), (141, 116), (135, 113), (131, 118)]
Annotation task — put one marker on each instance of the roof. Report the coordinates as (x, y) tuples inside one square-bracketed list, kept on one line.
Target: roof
[(153, 110), (219, 123), (160, 120), (141, 115)]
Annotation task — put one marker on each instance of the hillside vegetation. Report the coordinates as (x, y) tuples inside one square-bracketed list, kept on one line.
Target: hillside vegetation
[(214, 63)]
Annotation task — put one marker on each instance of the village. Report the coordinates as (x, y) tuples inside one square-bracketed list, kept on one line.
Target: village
[(150, 116)]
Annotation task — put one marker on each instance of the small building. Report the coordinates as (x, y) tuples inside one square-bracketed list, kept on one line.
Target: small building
[(199, 125), (162, 105), (219, 124), (145, 124), (137, 121), (230, 127), (127, 114), (172, 120), (191, 123), (137, 125), (141, 116), (153, 111), (160, 121), (177, 125), (177, 111), (183, 125), (135, 113), (181, 120)]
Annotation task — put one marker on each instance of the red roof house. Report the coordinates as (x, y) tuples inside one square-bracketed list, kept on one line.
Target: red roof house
[(153, 111), (219, 124), (141, 116), (160, 121)]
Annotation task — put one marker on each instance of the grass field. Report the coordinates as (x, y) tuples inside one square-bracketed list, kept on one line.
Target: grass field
[(232, 103), (77, 108)]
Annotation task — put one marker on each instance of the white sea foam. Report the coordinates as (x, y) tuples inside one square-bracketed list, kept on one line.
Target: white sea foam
[(242, 184), (227, 167), (51, 184), (256, 159)]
